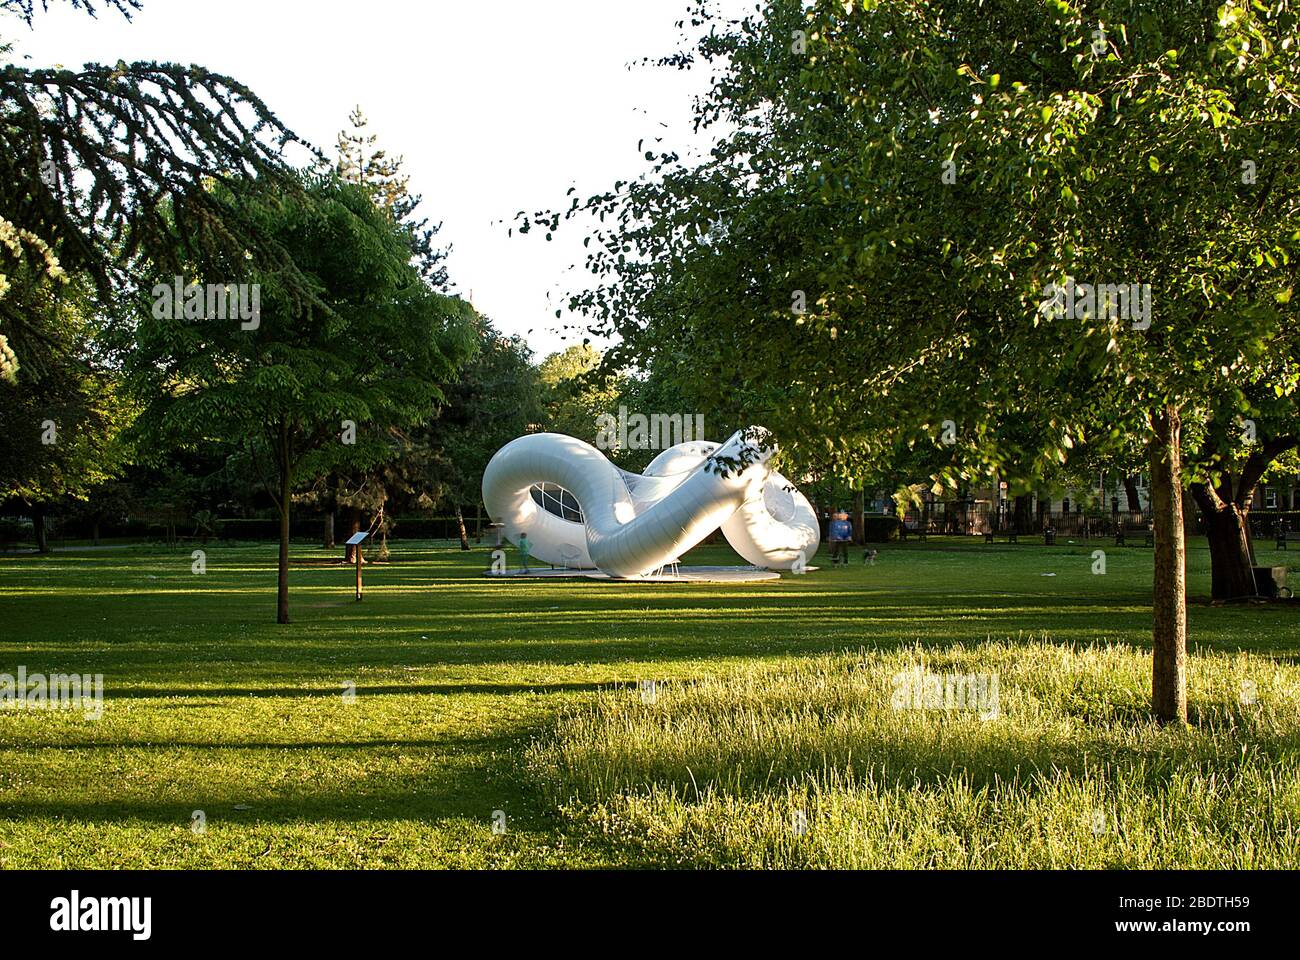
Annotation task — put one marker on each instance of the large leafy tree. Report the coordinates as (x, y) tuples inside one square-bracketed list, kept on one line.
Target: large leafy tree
[(309, 389), (404, 467), (897, 185)]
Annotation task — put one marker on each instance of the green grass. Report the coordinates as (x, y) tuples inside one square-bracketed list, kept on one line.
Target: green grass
[(475, 696), (1069, 773)]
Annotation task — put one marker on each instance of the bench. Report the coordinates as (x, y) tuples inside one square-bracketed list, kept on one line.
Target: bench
[(1287, 536), (1123, 531), (1009, 535)]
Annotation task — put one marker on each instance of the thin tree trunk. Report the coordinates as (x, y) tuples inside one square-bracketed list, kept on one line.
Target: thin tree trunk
[(38, 529), (331, 505), (460, 527), (286, 486), (1169, 593), (859, 516), (94, 531)]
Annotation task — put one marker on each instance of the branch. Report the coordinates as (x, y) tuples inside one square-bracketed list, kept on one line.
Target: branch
[(1258, 462)]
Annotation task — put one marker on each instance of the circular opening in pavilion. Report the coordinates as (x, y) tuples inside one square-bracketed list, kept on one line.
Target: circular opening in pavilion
[(555, 500)]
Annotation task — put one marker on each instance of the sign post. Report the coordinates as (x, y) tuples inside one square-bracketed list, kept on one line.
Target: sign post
[(355, 541)]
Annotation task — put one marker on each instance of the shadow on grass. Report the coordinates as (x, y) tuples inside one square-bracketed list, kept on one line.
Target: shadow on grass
[(432, 689)]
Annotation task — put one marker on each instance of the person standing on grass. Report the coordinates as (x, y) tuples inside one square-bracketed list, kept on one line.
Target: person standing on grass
[(524, 547), (841, 533)]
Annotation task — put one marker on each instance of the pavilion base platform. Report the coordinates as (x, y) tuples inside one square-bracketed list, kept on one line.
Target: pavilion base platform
[(679, 575)]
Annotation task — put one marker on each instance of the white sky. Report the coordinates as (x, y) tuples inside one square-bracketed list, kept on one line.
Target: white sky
[(496, 107)]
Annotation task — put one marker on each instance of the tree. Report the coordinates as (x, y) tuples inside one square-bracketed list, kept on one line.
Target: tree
[(576, 390), (62, 414), (495, 400), (307, 389), (911, 207), (361, 161), (98, 165), (406, 465), (1240, 439)]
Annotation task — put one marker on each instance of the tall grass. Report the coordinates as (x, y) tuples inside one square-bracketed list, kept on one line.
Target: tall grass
[(811, 765)]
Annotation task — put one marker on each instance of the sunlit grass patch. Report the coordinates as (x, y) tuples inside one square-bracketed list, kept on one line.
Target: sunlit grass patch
[(810, 764)]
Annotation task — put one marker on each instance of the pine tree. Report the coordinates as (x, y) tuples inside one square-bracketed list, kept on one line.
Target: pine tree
[(100, 166), (361, 161)]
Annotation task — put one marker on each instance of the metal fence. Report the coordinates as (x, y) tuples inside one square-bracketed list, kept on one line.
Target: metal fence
[(971, 518)]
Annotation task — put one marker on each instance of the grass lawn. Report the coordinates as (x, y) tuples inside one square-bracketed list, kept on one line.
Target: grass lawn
[(474, 696)]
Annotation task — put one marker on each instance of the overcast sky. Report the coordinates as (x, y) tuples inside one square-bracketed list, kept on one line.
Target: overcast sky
[(496, 107)]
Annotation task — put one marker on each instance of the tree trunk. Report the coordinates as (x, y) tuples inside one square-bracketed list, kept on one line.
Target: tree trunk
[(1020, 514), (859, 516), (460, 526), (1227, 528), (327, 541), (94, 531), (286, 487), (38, 529), (1169, 594), (1131, 491), (1225, 511)]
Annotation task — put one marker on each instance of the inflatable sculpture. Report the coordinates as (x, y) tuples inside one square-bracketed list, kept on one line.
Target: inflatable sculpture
[(630, 525)]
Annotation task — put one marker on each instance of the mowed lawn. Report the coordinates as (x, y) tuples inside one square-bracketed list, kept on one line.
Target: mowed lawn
[(474, 696)]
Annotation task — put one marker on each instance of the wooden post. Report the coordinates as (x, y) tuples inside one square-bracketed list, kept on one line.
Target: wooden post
[(355, 543)]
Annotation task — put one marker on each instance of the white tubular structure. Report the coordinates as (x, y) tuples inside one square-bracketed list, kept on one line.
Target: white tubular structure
[(633, 524)]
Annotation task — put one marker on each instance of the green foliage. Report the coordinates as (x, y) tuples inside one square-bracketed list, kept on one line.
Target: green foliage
[(98, 165), (63, 414), (360, 161), (576, 390), (495, 399), (376, 353), (922, 291)]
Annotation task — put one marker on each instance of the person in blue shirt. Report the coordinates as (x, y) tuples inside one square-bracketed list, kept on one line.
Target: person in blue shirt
[(841, 535)]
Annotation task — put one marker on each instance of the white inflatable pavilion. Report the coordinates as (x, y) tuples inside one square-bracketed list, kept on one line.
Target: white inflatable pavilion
[(631, 525)]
